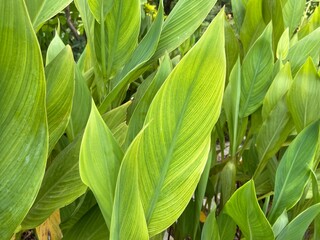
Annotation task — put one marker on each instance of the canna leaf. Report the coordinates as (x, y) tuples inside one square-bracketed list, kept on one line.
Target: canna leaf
[(292, 11), (100, 162), (256, 73), (128, 220), (253, 24), (210, 228), (23, 124), (141, 55), (239, 12), (278, 89), (294, 171), (304, 96), (283, 45), (173, 149), (55, 47), (296, 229), (90, 227), (300, 51), (42, 10), (60, 89), (139, 114), (249, 217), (100, 8), (50, 228), (61, 186), (183, 20)]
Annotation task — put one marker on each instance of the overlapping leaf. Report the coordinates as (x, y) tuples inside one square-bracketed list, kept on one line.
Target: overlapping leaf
[(61, 186), (100, 159), (100, 8), (256, 73), (304, 96), (173, 148), (42, 10), (292, 11), (23, 124), (60, 89), (249, 217), (294, 171)]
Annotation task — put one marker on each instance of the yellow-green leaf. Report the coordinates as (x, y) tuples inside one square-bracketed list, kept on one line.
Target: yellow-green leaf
[(304, 96), (100, 159), (23, 124), (42, 10), (244, 209), (100, 8), (60, 89)]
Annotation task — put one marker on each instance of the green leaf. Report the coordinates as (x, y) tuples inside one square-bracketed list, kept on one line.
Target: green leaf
[(292, 11), (100, 159), (294, 171), (42, 10), (128, 220), (304, 96), (239, 12), (23, 124), (300, 51), (231, 102), (139, 114), (227, 227), (116, 38), (81, 106), (173, 149), (183, 20), (141, 55), (210, 229), (278, 89), (61, 185), (296, 229), (249, 217), (280, 224), (232, 47), (253, 25), (90, 227), (273, 133), (55, 47), (60, 89), (100, 8), (283, 45), (256, 73)]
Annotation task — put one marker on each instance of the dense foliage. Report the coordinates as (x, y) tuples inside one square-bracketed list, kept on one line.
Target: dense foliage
[(128, 119)]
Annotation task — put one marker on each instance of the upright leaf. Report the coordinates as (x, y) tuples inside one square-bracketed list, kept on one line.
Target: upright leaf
[(304, 96), (60, 89), (210, 228), (100, 159), (42, 10), (253, 24), (50, 228), (140, 56), (292, 11), (294, 171), (128, 220), (173, 149), (23, 124), (239, 12), (100, 8), (249, 217), (183, 20), (256, 73)]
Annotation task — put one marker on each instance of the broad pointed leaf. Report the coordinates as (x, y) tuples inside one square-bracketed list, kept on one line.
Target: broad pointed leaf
[(60, 89), (292, 11), (173, 149), (50, 228), (256, 73), (23, 124), (304, 96), (294, 171), (249, 217), (100, 159)]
